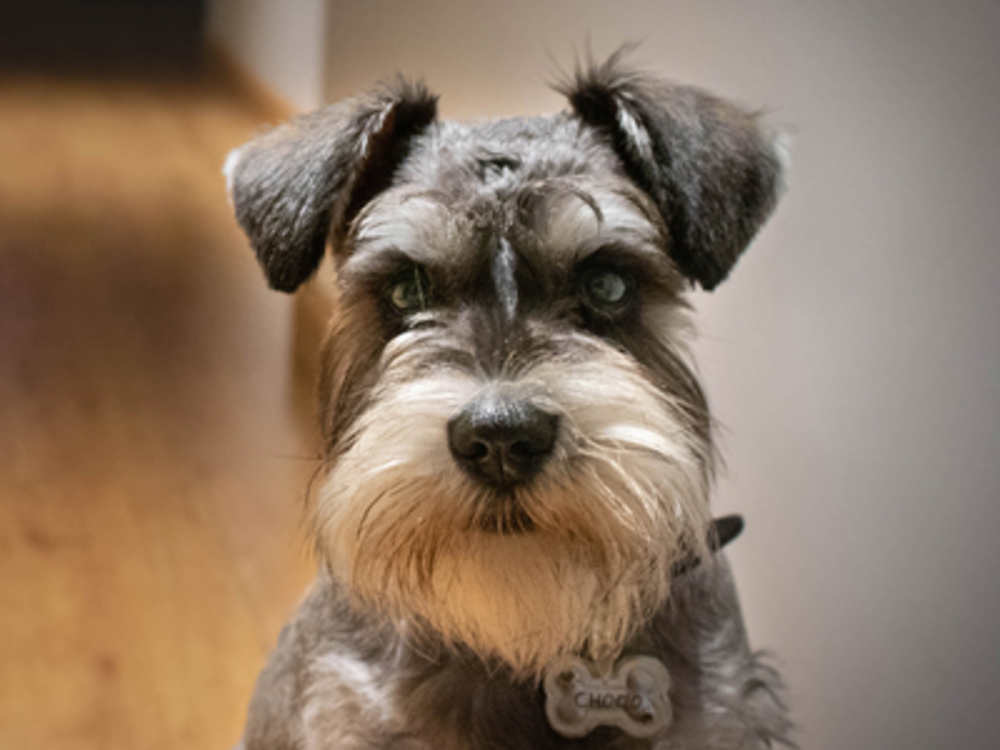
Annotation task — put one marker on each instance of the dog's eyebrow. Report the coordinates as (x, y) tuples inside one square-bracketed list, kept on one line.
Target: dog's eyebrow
[(535, 200), (413, 226), (572, 220), (401, 201), (395, 219), (376, 265)]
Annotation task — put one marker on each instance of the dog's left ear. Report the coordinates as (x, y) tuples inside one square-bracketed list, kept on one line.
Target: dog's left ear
[(293, 186), (712, 172)]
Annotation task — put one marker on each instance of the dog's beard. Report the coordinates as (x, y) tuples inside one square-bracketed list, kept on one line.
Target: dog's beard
[(622, 499)]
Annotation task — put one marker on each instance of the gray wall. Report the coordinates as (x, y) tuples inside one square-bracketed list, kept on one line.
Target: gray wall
[(853, 357), (280, 43)]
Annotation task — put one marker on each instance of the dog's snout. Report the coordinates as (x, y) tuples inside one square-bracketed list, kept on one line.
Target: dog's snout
[(502, 441)]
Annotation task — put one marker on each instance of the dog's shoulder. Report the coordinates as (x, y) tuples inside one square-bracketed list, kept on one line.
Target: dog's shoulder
[(324, 678)]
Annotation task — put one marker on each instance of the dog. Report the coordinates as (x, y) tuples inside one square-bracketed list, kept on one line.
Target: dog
[(513, 520)]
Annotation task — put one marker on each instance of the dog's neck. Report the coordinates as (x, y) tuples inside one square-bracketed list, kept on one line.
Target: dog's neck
[(447, 690), (698, 636)]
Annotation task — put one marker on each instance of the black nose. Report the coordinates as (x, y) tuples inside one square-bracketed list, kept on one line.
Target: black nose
[(502, 441)]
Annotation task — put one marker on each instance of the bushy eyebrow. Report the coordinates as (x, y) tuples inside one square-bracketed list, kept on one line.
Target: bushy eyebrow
[(535, 199), (413, 227), (371, 266), (567, 221), (394, 203)]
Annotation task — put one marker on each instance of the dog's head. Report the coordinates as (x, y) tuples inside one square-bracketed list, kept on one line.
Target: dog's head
[(517, 451)]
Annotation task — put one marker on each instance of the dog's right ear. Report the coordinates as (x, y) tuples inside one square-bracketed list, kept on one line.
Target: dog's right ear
[(291, 187)]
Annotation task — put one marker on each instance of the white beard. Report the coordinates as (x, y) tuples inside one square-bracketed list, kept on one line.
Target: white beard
[(621, 500)]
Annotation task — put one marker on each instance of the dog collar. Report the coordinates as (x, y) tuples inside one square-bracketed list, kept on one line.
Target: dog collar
[(632, 694), (723, 530)]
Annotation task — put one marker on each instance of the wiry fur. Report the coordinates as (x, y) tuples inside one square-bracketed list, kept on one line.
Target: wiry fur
[(341, 679), (705, 163), (443, 597), (626, 494), (403, 526)]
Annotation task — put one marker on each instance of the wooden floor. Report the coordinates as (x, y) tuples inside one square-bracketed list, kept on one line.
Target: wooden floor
[(153, 456)]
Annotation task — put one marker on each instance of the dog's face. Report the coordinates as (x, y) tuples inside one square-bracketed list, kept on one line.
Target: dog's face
[(517, 451)]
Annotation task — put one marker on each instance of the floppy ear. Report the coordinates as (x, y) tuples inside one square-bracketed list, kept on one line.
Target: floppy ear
[(294, 185), (705, 162)]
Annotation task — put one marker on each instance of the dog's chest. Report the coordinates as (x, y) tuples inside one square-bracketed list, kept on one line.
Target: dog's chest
[(491, 711), (454, 705)]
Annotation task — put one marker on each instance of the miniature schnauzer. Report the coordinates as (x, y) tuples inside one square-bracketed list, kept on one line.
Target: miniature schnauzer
[(517, 549)]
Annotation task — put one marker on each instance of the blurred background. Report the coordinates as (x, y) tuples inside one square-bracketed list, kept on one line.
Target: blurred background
[(156, 438)]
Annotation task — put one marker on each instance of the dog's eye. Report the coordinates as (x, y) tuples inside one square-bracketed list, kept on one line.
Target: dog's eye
[(607, 289), (409, 293)]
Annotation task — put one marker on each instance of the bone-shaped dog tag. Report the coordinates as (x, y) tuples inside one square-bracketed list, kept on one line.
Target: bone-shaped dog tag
[(634, 697)]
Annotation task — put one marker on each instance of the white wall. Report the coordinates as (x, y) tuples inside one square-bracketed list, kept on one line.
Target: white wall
[(854, 355), (281, 43)]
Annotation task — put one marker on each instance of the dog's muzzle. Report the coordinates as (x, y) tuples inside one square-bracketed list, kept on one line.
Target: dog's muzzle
[(502, 441)]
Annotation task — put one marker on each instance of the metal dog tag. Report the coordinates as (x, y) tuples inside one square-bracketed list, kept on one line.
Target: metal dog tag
[(634, 697)]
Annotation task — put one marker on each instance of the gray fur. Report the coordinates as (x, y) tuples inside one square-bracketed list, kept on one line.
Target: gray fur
[(292, 185), (707, 165), (505, 225), (711, 171), (725, 696)]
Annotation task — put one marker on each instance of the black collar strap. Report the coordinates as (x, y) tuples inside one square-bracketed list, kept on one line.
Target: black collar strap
[(722, 531), (631, 693)]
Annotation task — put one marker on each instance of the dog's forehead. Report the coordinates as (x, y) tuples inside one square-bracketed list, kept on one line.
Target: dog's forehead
[(463, 155)]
